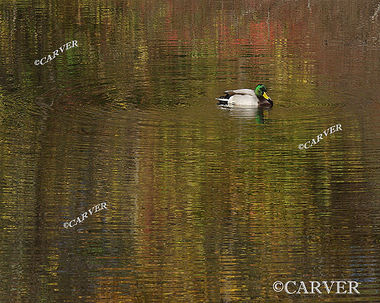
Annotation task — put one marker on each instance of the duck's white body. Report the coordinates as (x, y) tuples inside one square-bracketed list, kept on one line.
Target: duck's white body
[(241, 97)]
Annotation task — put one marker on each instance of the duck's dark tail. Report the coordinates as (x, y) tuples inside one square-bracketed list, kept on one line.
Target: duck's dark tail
[(223, 100)]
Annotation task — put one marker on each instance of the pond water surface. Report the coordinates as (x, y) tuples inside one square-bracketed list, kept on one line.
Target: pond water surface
[(205, 204)]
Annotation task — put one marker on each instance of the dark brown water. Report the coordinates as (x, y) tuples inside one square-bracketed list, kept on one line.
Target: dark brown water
[(205, 204)]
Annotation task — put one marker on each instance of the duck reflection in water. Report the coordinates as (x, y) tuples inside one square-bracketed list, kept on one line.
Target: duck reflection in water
[(246, 112)]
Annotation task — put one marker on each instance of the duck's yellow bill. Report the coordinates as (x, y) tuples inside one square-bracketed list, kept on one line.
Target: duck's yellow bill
[(266, 96)]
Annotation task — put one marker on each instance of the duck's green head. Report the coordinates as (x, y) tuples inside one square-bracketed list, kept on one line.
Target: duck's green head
[(261, 91)]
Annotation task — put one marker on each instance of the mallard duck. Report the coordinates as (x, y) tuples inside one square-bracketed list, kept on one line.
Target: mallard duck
[(247, 97)]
